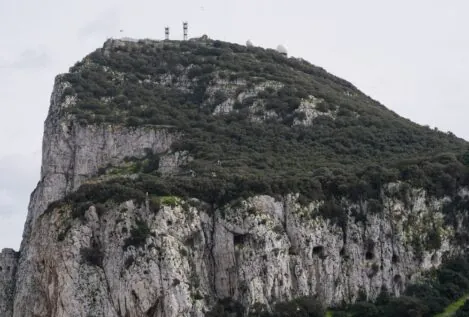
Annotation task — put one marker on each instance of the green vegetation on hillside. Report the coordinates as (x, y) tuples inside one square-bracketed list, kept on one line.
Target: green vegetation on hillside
[(351, 155), (459, 307), (462, 311)]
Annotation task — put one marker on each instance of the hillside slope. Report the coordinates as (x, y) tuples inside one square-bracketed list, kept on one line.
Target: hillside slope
[(247, 113), (177, 174)]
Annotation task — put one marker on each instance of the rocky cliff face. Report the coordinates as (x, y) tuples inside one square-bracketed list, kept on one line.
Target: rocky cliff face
[(256, 251), (73, 153), (8, 265), (170, 256)]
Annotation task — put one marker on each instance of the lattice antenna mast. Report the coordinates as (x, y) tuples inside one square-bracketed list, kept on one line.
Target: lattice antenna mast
[(166, 33), (185, 28)]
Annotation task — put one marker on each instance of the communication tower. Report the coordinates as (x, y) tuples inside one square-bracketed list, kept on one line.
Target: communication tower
[(185, 27), (166, 33)]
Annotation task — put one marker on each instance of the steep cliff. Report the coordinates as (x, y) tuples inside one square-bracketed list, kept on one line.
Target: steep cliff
[(8, 265), (175, 174), (129, 260)]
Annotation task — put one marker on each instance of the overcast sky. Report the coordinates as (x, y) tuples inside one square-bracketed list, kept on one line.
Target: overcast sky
[(410, 55)]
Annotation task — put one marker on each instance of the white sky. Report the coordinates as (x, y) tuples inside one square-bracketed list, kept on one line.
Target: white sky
[(410, 55)]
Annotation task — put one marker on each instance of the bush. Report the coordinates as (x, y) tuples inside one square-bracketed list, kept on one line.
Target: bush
[(227, 308), (364, 309), (306, 306), (118, 190), (92, 256), (449, 276), (138, 235), (405, 307), (433, 240), (463, 311)]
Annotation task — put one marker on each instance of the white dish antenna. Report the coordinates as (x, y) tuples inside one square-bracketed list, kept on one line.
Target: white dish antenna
[(282, 50)]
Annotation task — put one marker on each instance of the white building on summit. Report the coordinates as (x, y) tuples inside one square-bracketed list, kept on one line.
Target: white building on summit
[(282, 50)]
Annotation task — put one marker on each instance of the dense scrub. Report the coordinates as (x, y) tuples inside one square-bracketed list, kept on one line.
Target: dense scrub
[(428, 297), (351, 155), (224, 189), (463, 311)]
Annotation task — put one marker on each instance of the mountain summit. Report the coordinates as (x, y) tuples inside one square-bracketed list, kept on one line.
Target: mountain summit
[(251, 115), (181, 177)]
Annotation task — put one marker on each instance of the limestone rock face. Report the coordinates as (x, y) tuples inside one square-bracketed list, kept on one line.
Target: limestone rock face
[(180, 257), (258, 250), (8, 265), (72, 153)]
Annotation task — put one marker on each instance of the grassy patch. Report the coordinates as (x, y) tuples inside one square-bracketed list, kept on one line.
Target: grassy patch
[(453, 308), (172, 201)]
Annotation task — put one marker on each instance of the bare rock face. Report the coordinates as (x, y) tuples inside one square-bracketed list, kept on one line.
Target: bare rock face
[(8, 265), (73, 153), (257, 251)]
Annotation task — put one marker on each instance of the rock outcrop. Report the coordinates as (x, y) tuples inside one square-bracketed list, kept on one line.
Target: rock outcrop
[(8, 265), (170, 256), (256, 251), (73, 153)]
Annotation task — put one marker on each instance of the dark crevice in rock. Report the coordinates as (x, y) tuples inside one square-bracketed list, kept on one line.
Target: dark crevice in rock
[(318, 251), (151, 312)]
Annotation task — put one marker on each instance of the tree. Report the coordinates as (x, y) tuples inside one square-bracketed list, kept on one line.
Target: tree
[(364, 309), (463, 311), (405, 306)]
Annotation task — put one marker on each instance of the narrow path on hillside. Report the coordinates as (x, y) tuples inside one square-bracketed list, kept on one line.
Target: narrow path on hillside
[(453, 307), (449, 311)]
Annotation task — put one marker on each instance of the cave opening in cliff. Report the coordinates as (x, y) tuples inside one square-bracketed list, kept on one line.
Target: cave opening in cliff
[(397, 280), (370, 247), (318, 251), (239, 239)]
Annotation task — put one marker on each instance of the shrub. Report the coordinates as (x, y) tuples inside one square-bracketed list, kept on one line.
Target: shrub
[(226, 308), (129, 261), (364, 309), (405, 307), (333, 211), (92, 256), (463, 311), (433, 240), (301, 307), (138, 234)]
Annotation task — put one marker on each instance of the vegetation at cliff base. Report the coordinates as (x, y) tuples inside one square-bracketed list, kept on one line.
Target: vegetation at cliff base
[(462, 310), (439, 293)]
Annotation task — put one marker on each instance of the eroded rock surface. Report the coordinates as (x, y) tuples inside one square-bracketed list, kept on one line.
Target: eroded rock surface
[(256, 251), (8, 265)]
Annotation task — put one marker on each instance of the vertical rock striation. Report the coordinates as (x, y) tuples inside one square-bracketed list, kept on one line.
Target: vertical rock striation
[(8, 265)]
